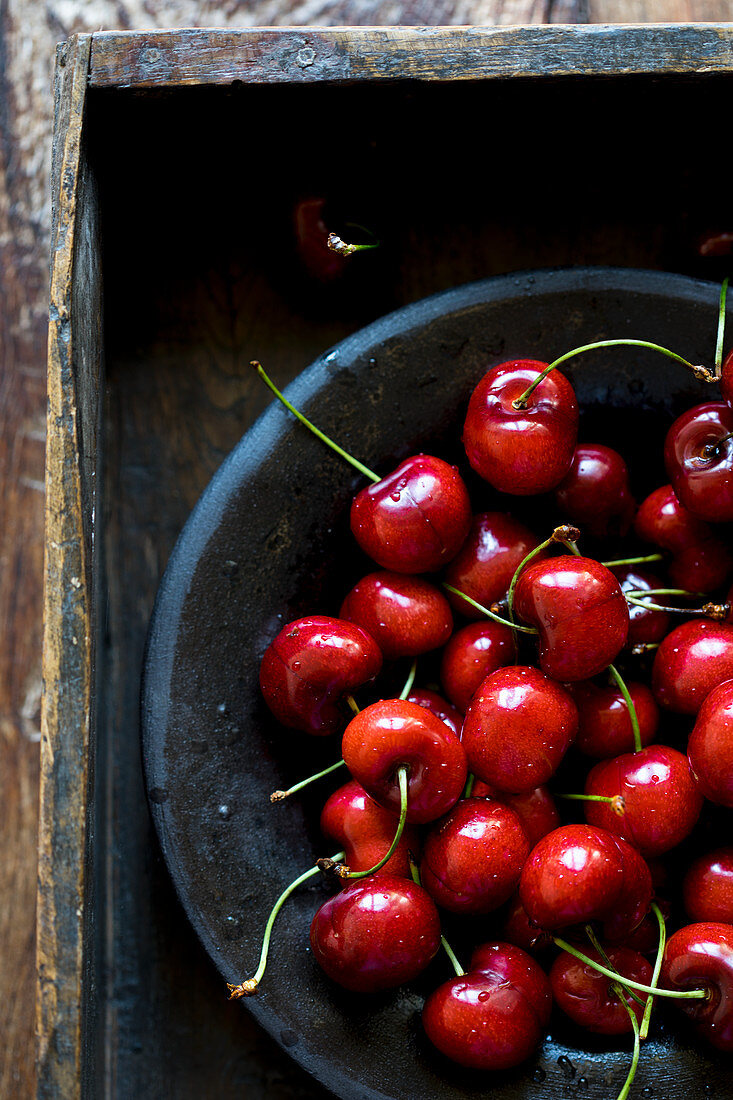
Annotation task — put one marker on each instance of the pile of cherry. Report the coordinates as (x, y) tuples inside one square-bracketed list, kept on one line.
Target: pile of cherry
[(448, 808)]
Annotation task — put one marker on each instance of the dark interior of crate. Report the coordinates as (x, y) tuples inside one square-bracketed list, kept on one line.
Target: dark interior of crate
[(459, 181)]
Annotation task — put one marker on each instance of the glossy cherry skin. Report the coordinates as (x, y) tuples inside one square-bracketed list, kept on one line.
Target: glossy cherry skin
[(699, 460), (535, 809), (710, 748), (700, 956), (310, 666), (405, 615), (588, 998), (472, 654), (701, 560), (495, 1015), (604, 722), (580, 611), (377, 933), (392, 733), (518, 929), (644, 625), (595, 492), (472, 859), (660, 803), (707, 888), (581, 873), (521, 451), (365, 831), (415, 519), (438, 706), (483, 568), (690, 662), (518, 728)]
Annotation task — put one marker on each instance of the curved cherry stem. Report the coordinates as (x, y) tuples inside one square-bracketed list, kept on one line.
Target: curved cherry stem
[(674, 994), (633, 561), (637, 1042), (409, 681), (485, 611), (249, 987), (601, 951), (721, 327), (460, 972), (657, 967), (697, 369), (630, 704), (280, 796), (311, 427), (402, 780), (707, 611)]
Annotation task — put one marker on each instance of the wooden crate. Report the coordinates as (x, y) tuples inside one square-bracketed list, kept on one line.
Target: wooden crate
[(178, 160)]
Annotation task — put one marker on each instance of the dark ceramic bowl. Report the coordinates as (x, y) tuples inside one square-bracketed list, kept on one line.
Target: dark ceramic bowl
[(268, 542)]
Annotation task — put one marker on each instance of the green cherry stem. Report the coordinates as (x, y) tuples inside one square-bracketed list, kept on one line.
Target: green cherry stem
[(708, 610), (699, 371), (633, 561), (414, 871), (353, 704), (613, 800), (638, 592), (657, 968), (485, 611), (409, 681), (601, 951), (280, 796), (637, 1044), (468, 789), (630, 704), (402, 780), (721, 327), (336, 244), (674, 994), (248, 987), (316, 431)]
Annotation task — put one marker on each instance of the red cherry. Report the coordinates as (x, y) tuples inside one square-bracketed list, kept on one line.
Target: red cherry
[(377, 933), (707, 887), (473, 857), (595, 492), (415, 519), (644, 625), (710, 748), (701, 560), (700, 956), (726, 378), (518, 728), (659, 802), (311, 233), (310, 666), (437, 705), (580, 873), (690, 662), (521, 451), (394, 733), (604, 723), (405, 615), (365, 831), (535, 809), (588, 997), (472, 654), (698, 455), (494, 1016), (518, 929), (580, 611), (483, 568)]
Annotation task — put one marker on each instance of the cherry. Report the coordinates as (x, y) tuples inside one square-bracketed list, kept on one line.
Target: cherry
[(394, 733), (518, 728), (580, 612), (377, 933), (595, 492), (726, 378), (484, 566), (365, 831), (311, 234), (690, 662), (473, 857), (700, 956), (656, 803), (518, 929), (310, 666), (710, 748), (581, 873), (437, 705), (405, 615), (707, 887), (546, 424), (701, 560), (604, 721), (535, 809), (698, 455), (494, 1016), (645, 625), (472, 654), (589, 999)]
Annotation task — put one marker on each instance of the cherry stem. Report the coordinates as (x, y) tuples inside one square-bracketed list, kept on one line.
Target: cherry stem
[(721, 328), (712, 450), (630, 704), (249, 987), (353, 704), (415, 872), (489, 614), (336, 244), (468, 789), (674, 994), (280, 796), (613, 800), (698, 370), (637, 1044), (644, 647), (657, 968), (665, 592), (601, 951), (633, 561), (708, 610), (316, 431), (402, 780), (409, 681)]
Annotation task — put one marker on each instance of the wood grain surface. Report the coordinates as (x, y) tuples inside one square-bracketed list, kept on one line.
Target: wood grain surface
[(29, 30)]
